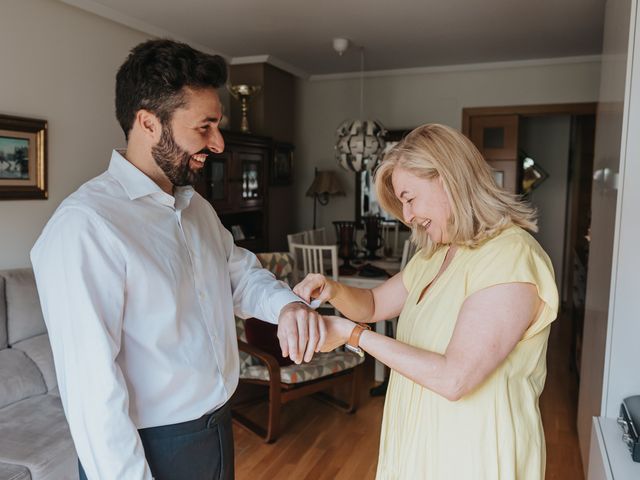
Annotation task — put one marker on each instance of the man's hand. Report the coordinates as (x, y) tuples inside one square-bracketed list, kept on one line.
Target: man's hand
[(301, 332)]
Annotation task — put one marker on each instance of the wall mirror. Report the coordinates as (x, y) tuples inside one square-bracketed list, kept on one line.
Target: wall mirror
[(366, 200)]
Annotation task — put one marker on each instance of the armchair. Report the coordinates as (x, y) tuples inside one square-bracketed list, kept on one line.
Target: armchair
[(287, 383)]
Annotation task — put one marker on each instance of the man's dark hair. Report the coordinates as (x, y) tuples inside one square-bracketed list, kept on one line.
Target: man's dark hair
[(154, 76)]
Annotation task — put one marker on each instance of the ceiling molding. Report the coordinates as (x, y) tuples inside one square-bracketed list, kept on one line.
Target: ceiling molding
[(136, 24), (540, 62)]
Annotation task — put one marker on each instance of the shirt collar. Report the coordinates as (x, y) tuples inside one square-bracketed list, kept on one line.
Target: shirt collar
[(137, 184)]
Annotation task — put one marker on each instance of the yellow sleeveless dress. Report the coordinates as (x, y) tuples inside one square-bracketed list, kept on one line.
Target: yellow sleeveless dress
[(494, 432)]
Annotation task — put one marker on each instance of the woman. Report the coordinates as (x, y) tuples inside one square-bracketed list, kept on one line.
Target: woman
[(475, 305)]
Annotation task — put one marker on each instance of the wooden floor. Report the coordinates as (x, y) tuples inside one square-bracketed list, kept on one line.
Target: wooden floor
[(319, 442)]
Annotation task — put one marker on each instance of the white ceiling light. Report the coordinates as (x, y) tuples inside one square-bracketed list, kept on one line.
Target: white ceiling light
[(340, 45), (359, 143)]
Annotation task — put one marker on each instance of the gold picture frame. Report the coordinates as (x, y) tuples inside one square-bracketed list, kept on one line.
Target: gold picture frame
[(23, 158)]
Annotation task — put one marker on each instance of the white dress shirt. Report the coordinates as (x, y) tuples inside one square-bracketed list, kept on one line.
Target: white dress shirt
[(139, 290)]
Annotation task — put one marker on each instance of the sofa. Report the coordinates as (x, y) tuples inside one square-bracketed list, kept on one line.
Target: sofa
[(35, 442)]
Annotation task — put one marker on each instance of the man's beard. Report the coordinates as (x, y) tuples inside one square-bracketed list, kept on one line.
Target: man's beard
[(174, 161)]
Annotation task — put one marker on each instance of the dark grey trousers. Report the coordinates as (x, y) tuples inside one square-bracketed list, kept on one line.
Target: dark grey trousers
[(201, 449)]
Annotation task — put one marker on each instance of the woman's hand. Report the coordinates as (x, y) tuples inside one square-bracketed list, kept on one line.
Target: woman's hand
[(338, 332), (316, 286)]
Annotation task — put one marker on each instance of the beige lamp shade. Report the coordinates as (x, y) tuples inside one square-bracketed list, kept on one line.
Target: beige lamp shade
[(325, 183)]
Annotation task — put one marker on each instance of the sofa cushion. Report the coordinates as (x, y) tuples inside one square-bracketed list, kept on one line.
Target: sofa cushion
[(9, 471), (3, 316), (24, 315), (19, 377), (40, 438), (38, 349)]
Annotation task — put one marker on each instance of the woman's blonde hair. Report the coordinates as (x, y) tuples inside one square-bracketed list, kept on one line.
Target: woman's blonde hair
[(479, 208)]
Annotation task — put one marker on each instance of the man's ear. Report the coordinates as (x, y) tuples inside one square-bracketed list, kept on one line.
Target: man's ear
[(148, 124)]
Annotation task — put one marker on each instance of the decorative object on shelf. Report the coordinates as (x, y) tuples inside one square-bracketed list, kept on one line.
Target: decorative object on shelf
[(372, 239), (244, 93), (23, 158), (346, 234), (282, 164), (325, 184), (250, 183), (629, 421), (237, 232), (359, 143)]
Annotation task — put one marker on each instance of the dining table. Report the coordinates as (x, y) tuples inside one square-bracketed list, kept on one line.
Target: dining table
[(390, 266)]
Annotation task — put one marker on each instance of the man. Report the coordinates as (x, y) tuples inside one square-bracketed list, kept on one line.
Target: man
[(139, 283)]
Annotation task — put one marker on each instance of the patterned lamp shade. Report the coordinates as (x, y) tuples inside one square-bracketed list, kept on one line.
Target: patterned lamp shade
[(360, 144)]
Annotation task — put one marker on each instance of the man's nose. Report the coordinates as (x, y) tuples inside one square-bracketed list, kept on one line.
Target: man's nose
[(216, 142)]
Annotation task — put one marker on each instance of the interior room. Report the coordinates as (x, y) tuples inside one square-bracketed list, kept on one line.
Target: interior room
[(316, 96)]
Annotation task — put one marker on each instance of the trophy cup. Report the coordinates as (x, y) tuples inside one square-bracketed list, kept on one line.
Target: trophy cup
[(244, 93)]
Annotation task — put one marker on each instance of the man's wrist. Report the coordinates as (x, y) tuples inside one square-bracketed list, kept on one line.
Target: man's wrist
[(348, 330), (292, 304)]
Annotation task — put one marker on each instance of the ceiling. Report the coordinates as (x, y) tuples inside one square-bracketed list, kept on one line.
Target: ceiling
[(400, 34)]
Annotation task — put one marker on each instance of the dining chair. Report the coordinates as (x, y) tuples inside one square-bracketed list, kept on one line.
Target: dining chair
[(321, 259), (316, 236), (390, 234), (260, 365)]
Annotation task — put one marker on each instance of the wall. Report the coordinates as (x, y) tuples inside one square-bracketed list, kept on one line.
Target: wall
[(610, 142), (58, 64), (546, 140), (408, 100)]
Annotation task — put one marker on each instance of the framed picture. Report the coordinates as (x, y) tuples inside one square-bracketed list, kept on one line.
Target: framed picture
[(282, 164), (23, 158)]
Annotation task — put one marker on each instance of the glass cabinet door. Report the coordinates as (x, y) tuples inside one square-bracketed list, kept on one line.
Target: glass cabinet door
[(252, 175), (251, 180), (214, 184)]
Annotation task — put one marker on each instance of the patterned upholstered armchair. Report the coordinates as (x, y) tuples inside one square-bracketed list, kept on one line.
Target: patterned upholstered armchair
[(286, 383)]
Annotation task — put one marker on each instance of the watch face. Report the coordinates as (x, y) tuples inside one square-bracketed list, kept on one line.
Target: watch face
[(356, 350)]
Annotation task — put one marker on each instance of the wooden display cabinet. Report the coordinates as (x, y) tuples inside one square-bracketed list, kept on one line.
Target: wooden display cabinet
[(236, 184)]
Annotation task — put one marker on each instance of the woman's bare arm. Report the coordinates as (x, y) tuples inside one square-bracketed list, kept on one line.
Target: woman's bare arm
[(490, 324), (358, 304)]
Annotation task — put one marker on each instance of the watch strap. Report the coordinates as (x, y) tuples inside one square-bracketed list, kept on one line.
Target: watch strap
[(354, 339)]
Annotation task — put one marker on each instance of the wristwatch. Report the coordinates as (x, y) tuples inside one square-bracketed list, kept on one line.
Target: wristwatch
[(353, 345)]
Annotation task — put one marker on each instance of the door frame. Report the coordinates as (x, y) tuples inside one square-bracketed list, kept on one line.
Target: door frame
[(586, 108)]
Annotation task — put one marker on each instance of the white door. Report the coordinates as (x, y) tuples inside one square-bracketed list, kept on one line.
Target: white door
[(610, 125)]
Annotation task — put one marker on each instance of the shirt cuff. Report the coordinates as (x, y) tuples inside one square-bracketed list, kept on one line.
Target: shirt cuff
[(277, 303)]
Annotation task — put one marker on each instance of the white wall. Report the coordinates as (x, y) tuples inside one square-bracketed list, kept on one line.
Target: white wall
[(58, 64), (546, 140), (408, 100)]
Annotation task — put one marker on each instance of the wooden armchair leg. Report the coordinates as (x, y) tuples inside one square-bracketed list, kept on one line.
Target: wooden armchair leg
[(275, 405), (351, 405), (355, 389)]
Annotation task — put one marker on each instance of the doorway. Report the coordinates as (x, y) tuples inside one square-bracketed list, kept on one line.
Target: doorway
[(545, 153), (557, 142)]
